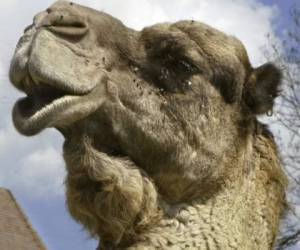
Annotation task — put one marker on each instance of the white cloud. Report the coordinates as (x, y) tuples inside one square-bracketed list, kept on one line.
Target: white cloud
[(5, 4), (42, 172), (2, 71), (32, 166)]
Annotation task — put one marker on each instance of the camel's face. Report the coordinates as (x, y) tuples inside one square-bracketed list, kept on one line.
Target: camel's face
[(64, 57), (173, 94), (60, 62)]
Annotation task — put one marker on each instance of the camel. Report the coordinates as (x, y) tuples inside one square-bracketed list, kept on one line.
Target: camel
[(163, 148)]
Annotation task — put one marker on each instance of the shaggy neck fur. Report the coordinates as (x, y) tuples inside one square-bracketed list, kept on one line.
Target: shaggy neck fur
[(241, 215)]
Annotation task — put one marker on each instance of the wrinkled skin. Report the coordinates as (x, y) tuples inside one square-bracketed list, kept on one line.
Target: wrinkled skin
[(162, 146)]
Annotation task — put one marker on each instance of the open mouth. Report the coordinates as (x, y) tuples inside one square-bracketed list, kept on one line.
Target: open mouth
[(41, 97), (42, 107), (49, 106)]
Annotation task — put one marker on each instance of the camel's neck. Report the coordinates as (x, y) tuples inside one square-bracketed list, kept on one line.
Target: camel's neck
[(235, 219), (243, 215)]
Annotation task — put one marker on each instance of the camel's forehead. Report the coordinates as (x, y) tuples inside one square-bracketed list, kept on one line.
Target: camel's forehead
[(203, 39), (214, 42)]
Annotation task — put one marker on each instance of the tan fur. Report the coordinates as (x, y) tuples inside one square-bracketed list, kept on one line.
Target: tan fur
[(162, 146)]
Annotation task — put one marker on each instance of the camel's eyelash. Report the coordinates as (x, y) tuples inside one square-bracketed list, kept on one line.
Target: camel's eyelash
[(180, 65)]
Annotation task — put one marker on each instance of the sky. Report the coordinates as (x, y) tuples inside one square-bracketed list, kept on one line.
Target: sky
[(32, 167)]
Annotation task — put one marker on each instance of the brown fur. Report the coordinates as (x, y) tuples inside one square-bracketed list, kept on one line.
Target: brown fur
[(163, 149)]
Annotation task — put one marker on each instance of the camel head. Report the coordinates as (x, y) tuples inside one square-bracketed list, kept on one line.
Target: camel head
[(174, 94), (153, 119)]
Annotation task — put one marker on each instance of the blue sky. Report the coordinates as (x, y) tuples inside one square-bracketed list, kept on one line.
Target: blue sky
[(33, 167)]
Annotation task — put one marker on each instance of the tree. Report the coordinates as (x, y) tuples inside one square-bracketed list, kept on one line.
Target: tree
[(287, 115)]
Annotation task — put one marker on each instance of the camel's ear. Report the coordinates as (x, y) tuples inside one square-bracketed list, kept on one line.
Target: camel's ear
[(262, 88)]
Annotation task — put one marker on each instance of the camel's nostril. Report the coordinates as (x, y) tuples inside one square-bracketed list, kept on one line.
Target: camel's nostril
[(62, 23), (67, 23)]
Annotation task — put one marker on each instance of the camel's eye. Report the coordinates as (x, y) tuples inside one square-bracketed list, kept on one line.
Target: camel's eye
[(180, 64), (173, 73), (170, 66), (186, 66)]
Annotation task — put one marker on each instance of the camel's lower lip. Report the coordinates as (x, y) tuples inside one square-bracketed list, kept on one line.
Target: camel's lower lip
[(32, 114)]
